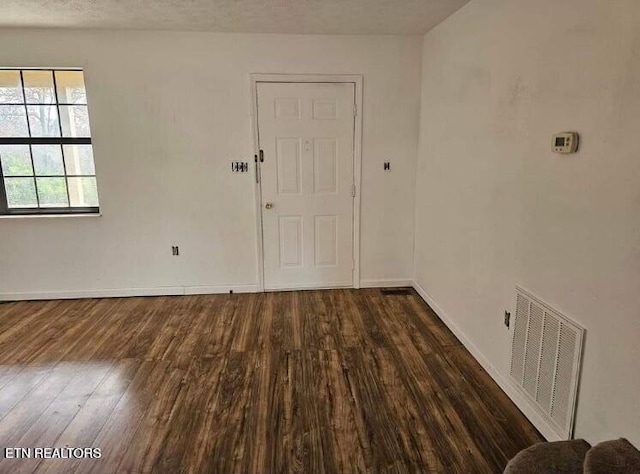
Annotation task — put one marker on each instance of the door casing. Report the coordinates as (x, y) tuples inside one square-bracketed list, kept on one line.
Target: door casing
[(356, 80)]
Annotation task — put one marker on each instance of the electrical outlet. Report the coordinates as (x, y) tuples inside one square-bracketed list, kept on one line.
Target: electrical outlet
[(387, 166), (507, 319), (175, 250)]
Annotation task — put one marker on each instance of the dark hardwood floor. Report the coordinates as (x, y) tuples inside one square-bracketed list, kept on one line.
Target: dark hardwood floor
[(315, 381)]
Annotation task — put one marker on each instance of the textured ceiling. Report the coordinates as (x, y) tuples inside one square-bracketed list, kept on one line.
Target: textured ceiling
[(257, 16)]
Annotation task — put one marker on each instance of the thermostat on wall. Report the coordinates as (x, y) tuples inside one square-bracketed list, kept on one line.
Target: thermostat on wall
[(565, 142)]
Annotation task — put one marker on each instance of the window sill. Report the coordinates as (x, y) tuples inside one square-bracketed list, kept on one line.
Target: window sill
[(44, 216)]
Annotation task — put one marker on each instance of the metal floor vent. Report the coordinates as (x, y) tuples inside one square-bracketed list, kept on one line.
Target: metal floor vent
[(545, 360), (395, 291)]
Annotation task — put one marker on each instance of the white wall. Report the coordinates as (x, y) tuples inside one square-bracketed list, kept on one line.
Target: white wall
[(496, 208), (169, 112)]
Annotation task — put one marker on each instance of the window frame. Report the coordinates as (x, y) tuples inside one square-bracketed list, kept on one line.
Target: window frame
[(5, 210)]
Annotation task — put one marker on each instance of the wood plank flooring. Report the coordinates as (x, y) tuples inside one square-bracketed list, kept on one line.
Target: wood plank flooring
[(315, 381)]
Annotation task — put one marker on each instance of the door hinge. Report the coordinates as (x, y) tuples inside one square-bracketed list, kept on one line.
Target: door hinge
[(353, 190), (355, 110)]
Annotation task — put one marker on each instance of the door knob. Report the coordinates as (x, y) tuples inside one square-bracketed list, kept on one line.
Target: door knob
[(268, 205)]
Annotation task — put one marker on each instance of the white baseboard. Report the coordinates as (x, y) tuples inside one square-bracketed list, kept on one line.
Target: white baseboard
[(386, 283), (214, 290), (505, 384), (126, 292), (182, 290)]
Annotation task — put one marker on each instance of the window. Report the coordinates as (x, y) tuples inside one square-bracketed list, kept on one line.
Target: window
[(46, 158)]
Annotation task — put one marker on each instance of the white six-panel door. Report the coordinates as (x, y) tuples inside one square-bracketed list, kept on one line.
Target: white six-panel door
[(306, 133)]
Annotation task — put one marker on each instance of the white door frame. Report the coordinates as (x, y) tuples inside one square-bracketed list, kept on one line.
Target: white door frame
[(356, 80)]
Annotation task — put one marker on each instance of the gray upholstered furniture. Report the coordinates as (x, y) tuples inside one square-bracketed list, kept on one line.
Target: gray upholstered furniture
[(577, 457), (617, 456), (561, 457)]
